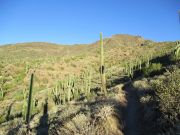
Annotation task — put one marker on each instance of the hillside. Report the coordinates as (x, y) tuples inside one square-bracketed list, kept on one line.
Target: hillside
[(56, 67), (50, 49)]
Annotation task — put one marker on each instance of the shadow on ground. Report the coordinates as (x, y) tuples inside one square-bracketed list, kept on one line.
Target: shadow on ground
[(43, 127)]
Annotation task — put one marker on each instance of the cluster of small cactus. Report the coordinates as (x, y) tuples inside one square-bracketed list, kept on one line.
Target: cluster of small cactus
[(86, 79), (64, 90), (4, 77), (129, 69), (147, 61), (70, 88), (144, 62), (139, 64), (132, 66)]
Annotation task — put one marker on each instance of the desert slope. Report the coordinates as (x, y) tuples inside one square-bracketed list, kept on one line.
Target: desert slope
[(55, 65)]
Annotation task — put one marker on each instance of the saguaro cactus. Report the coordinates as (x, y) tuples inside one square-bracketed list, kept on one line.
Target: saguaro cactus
[(3, 81), (89, 83), (87, 78), (69, 83), (102, 67), (28, 116), (177, 51), (56, 94)]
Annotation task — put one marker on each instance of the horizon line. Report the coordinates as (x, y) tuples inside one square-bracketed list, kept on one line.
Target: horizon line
[(85, 43)]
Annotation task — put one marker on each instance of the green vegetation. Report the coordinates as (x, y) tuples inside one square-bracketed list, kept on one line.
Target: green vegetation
[(4, 78), (68, 76), (152, 68), (159, 102), (167, 93)]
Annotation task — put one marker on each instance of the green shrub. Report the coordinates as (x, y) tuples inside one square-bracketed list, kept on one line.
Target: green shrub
[(152, 68), (18, 96), (50, 68), (2, 118), (73, 65), (167, 94)]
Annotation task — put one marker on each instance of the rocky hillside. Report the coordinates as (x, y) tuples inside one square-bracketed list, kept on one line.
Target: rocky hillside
[(84, 108)]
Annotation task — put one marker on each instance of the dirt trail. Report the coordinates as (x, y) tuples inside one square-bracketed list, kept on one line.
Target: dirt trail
[(131, 112)]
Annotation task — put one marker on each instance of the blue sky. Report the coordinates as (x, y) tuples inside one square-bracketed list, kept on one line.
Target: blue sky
[(80, 21)]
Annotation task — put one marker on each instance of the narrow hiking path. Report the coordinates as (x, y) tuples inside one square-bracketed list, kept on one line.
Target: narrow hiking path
[(131, 114)]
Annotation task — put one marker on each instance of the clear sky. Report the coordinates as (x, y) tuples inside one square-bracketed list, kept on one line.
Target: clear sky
[(80, 21)]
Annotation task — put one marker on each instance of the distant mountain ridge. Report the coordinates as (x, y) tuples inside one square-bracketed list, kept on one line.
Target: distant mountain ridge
[(123, 39), (42, 49)]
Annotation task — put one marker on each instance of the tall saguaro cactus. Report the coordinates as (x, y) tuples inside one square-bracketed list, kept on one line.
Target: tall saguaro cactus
[(28, 116), (102, 67), (177, 51)]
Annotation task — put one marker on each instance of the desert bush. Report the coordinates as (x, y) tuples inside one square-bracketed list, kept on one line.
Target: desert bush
[(4, 85), (167, 94), (2, 118), (152, 68), (159, 102), (141, 84)]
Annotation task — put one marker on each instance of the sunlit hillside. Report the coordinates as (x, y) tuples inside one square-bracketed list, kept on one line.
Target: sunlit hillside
[(67, 85)]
